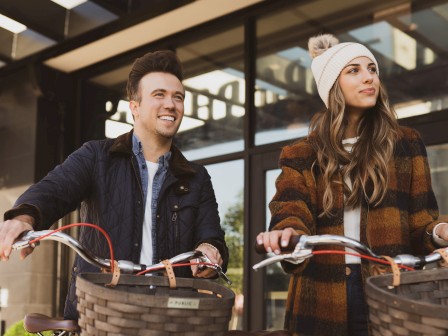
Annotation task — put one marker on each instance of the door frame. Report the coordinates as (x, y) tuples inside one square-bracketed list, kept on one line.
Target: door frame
[(254, 282)]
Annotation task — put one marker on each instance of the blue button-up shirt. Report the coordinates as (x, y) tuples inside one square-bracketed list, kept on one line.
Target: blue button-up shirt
[(159, 178)]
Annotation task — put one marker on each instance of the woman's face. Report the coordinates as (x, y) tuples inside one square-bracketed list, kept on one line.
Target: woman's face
[(359, 84)]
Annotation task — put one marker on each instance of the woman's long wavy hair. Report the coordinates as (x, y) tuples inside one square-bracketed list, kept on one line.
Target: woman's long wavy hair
[(366, 165)]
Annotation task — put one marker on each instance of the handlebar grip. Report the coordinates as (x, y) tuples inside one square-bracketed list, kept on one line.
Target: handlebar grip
[(292, 244)]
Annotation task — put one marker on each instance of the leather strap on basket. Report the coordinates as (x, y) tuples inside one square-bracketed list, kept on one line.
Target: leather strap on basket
[(115, 276), (170, 273), (443, 252), (395, 271)]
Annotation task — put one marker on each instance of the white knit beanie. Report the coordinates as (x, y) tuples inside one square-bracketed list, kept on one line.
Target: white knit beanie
[(327, 66)]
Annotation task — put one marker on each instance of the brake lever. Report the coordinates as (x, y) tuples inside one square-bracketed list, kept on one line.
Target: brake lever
[(221, 274), (24, 241), (216, 267), (300, 253), (271, 260), (186, 256), (295, 257)]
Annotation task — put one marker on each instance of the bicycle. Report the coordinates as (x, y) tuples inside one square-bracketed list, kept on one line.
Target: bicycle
[(413, 302), (190, 294), (299, 249)]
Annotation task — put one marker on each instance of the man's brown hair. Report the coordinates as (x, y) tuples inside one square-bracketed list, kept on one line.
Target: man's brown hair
[(157, 61)]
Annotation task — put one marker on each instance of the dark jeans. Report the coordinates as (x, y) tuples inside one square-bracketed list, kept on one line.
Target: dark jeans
[(358, 311)]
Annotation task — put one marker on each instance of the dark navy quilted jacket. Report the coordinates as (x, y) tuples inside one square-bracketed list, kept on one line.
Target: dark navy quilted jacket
[(103, 177)]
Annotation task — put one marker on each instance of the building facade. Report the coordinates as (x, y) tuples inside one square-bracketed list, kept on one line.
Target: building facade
[(250, 91)]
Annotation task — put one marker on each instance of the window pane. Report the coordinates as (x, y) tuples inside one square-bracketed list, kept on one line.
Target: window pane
[(214, 104), (404, 39), (284, 89), (438, 161), (229, 195)]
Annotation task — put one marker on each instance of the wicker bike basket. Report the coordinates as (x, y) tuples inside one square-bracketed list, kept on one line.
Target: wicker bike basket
[(142, 305), (417, 307)]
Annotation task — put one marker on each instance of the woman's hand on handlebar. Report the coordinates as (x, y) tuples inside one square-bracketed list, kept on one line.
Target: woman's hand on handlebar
[(442, 231), (10, 230), (274, 241)]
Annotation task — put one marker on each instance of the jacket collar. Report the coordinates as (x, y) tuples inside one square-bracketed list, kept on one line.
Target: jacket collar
[(179, 165)]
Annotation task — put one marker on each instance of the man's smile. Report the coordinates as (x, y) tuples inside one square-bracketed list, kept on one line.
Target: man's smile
[(168, 118)]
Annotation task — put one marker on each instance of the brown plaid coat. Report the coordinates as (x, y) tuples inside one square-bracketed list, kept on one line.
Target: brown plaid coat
[(316, 303)]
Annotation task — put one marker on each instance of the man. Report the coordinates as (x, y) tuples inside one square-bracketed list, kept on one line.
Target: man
[(139, 187)]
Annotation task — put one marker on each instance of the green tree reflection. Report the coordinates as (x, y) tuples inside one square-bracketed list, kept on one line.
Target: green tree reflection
[(233, 225)]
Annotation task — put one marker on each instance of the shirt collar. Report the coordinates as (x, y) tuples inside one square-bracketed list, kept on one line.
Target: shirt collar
[(137, 149)]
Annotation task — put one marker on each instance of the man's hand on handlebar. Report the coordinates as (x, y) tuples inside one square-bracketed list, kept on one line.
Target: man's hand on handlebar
[(213, 255), (10, 230), (270, 239)]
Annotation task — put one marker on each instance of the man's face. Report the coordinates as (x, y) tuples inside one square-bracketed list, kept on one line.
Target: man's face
[(161, 105)]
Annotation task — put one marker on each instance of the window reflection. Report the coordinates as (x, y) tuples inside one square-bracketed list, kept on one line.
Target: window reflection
[(283, 81), (215, 100), (229, 195), (214, 71), (405, 40), (426, 24), (438, 161), (396, 49)]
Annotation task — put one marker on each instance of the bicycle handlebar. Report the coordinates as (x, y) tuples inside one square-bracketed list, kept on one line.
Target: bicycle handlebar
[(304, 249), (125, 266)]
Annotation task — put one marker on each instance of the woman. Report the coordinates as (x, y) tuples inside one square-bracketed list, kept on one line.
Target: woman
[(358, 174)]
